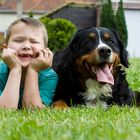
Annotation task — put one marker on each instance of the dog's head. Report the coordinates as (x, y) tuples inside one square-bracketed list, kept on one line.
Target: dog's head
[(96, 52)]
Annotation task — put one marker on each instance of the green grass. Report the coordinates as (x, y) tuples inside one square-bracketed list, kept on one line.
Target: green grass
[(133, 74), (81, 123)]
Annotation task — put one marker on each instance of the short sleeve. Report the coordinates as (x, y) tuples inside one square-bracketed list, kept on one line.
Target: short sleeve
[(47, 84), (3, 76), (1, 87)]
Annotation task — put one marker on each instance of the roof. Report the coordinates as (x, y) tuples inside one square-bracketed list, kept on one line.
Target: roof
[(127, 4), (43, 6), (73, 4), (38, 5), (32, 5)]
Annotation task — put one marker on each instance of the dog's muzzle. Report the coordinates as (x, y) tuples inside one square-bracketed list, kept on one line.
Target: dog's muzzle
[(104, 52)]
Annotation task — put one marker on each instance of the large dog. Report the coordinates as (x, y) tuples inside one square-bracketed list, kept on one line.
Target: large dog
[(91, 70)]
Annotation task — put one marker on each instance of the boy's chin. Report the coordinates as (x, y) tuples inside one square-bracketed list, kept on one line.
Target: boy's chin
[(24, 65)]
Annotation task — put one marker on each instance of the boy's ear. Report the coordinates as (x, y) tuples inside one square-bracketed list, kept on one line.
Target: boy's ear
[(4, 46)]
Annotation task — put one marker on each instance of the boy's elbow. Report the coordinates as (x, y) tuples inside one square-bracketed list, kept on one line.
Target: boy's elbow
[(32, 106), (5, 106), (8, 104)]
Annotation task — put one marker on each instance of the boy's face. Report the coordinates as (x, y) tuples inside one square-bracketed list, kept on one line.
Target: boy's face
[(27, 41)]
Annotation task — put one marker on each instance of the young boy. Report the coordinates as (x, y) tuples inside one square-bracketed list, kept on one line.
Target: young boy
[(26, 77)]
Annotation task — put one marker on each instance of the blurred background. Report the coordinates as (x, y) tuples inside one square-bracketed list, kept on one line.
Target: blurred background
[(122, 15)]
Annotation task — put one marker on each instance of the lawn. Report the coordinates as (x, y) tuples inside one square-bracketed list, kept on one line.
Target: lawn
[(81, 123)]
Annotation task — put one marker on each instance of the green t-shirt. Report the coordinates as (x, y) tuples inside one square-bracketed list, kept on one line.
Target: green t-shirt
[(47, 80)]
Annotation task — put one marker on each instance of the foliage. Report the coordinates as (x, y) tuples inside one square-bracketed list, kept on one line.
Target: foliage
[(60, 31), (107, 18), (45, 21), (121, 23), (30, 14)]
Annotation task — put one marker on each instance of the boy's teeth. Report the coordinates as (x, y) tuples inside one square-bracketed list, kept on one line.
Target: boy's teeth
[(22, 55)]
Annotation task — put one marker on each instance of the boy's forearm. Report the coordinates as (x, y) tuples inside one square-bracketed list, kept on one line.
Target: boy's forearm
[(31, 95), (10, 95)]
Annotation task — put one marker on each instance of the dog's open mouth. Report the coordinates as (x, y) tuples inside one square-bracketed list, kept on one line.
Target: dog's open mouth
[(103, 72)]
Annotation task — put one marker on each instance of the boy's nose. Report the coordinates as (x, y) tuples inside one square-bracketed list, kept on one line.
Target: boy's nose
[(26, 47)]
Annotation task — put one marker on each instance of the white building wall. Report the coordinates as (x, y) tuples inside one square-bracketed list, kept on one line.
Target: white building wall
[(133, 27), (7, 19)]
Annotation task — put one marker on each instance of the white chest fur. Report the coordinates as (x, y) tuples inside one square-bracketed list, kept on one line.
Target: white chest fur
[(94, 92)]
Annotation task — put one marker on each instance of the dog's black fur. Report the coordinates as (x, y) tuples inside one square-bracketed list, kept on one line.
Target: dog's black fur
[(91, 49)]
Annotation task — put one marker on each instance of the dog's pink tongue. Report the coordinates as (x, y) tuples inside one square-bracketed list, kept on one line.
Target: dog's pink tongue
[(104, 75)]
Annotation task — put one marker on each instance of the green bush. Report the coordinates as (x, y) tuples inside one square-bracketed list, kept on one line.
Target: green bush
[(60, 31), (107, 18), (121, 23), (45, 21)]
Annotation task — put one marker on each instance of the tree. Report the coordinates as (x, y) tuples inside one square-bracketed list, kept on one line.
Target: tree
[(30, 14), (121, 23), (107, 18)]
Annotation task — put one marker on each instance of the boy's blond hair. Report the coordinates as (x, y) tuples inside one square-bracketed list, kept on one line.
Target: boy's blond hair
[(30, 22)]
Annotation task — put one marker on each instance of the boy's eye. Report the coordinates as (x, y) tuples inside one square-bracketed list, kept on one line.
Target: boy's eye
[(18, 40), (35, 41), (111, 41)]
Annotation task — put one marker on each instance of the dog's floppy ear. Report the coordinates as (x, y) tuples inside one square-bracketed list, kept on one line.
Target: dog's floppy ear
[(68, 54), (123, 51), (73, 45), (75, 40), (78, 37)]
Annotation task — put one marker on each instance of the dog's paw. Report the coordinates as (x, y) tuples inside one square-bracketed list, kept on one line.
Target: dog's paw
[(120, 67), (60, 104), (121, 70)]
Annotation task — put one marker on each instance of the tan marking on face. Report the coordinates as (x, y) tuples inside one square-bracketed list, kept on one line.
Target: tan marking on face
[(92, 36), (106, 36), (91, 58), (116, 61), (81, 66)]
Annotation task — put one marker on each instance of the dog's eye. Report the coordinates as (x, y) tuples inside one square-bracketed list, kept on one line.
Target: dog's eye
[(111, 41), (90, 43)]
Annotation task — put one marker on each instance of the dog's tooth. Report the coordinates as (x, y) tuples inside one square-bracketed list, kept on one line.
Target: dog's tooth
[(93, 69)]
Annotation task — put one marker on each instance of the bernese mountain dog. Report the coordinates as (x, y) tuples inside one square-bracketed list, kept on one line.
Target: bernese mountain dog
[(91, 70)]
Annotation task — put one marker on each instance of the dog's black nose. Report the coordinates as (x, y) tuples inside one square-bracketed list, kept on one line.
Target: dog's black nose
[(104, 52)]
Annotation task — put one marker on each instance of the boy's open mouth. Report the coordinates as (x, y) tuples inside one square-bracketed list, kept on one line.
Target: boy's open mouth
[(26, 55)]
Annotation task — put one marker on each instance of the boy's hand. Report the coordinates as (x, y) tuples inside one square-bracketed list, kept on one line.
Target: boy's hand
[(9, 57), (42, 61)]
